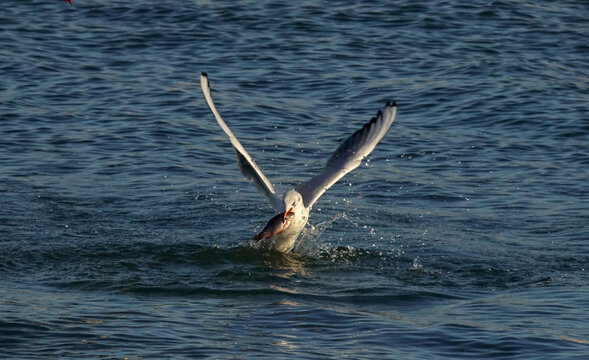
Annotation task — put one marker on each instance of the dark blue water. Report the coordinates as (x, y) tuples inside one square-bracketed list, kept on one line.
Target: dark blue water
[(124, 221)]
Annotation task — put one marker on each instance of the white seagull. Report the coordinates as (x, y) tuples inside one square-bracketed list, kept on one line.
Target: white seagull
[(283, 229)]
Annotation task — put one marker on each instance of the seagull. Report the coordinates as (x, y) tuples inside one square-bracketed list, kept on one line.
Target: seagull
[(293, 208)]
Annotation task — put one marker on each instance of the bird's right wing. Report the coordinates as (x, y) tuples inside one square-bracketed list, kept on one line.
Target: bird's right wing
[(348, 155), (246, 164)]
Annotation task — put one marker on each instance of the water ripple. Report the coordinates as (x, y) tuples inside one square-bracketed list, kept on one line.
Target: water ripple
[(124, 222)]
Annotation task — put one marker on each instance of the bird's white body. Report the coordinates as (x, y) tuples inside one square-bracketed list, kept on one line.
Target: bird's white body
[(285, 241), (299, 200)]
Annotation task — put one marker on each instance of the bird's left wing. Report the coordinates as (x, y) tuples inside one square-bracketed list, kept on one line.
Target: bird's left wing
[(246, 164), (348, 155)]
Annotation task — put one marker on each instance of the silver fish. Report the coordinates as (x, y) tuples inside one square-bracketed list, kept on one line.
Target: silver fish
[(276, 225)]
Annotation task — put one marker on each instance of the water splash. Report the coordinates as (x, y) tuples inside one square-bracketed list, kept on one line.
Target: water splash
[(307, 244)]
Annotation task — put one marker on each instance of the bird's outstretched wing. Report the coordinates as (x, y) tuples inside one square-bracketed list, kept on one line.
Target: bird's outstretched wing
[(348, 155), (246, 164)]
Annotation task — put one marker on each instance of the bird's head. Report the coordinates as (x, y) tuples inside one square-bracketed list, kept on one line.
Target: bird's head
[(293, 203)]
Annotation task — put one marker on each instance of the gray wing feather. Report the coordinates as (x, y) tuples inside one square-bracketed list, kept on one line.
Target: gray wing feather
[(349, 155), (246, 164)]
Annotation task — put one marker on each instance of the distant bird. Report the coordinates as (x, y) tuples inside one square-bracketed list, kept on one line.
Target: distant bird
[(283, 229)]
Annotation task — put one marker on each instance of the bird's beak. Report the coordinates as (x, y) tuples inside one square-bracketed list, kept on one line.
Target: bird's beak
[(287, 212)]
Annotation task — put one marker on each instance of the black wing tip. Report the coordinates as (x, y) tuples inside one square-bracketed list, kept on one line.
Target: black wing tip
[(204, 74), (379, 116)]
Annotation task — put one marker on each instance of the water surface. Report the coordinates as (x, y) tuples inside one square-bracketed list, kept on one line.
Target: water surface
[(124, 221)]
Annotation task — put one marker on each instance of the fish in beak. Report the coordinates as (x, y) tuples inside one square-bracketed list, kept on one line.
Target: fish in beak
[(276, 225), (288, 214)]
